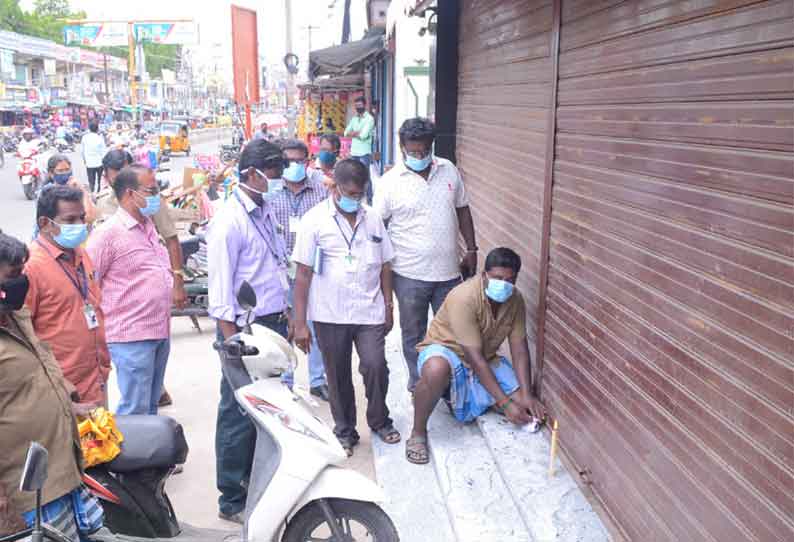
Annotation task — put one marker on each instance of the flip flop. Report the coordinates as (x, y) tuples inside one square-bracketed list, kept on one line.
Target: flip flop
[(388, 434), (416, 450)]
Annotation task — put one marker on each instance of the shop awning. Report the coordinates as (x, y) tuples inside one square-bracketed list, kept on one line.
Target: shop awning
[(344, 59)]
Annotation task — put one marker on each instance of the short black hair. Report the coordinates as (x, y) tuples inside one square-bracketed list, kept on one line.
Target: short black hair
[(360, 99), (351, 170), (333, 139), (47, 204), (127, 179), (259, 154), (93, 126), (418, 129), (56, 159), (295, 145), (503, 257), (12, 251), (117, 159)]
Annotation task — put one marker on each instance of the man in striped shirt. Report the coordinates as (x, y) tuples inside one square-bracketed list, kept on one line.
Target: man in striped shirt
[(303, 189), (134, 273)]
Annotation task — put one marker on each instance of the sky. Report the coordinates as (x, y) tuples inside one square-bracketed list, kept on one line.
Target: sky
[(214, 19)]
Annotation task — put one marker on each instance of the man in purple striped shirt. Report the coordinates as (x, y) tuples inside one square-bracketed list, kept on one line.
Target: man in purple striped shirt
[(243, 244)]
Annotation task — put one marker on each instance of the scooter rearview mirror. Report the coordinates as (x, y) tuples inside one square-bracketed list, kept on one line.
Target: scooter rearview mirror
[(34, 474)]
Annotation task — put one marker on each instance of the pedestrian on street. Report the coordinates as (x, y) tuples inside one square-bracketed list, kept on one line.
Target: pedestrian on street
[(35, 405), (107, 204), (94, 150), (361, 128), (459, 357), (262, 133), (133, 270), (63, 298), (303, 189), (59, 173), (349, 299), (424, 201), (327, 157), (243, 244)]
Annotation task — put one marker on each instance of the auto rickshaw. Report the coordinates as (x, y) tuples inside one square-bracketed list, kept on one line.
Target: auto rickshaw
[(174, 138)]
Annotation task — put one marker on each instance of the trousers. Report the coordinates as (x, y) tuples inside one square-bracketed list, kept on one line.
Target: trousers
[(336, 342), (140, 370), (415, 297), (235, 437)]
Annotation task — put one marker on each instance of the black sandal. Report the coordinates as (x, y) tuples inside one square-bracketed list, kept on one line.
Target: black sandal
[(388, 434)]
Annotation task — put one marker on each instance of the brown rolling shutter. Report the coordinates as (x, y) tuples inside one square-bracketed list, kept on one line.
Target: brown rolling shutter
[(503, 108), (669, 335)]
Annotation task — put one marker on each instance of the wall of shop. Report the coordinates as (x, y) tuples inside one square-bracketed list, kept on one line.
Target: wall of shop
[(639, 157)]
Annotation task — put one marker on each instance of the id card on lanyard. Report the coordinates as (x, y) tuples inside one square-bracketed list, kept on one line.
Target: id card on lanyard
[(272, 243), (80, 282)]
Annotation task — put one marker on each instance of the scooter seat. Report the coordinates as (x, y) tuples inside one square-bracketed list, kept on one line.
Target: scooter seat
[(149, 442)]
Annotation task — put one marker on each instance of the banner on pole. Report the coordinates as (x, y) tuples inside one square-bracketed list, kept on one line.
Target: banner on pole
[(245, 56), (96, 35), (178, 32)]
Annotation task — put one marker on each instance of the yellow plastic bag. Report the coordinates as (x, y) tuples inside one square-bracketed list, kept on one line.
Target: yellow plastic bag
[(99, 437)]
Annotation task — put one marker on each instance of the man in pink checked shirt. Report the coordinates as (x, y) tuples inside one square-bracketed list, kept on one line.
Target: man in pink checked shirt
[(134, 273)]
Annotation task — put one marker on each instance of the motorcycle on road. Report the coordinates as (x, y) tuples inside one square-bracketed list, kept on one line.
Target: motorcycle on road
[(28, 172)]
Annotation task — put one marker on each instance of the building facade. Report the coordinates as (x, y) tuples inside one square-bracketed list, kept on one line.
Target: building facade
[(640, 157)]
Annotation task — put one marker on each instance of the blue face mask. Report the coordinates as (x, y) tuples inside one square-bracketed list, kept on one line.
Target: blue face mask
[(295, 173), (418, 164), (327, 157), (71, 236), (152, 204), (499, 290), (61, 178), (348, 204)]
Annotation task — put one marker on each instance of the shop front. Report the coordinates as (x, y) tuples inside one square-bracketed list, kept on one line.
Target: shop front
[(639, 157)]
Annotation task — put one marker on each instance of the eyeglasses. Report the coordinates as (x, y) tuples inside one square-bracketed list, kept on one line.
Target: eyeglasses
[(153, 191)]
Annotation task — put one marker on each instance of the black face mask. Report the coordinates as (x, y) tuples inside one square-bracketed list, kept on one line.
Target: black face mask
[(360, 110), (13, 292)]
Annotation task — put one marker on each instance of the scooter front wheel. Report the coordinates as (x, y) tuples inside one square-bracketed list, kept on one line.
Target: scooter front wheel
[(357, 520)]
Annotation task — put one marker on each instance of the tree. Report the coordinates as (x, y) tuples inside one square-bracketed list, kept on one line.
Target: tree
[(57, 9), (12, 17)]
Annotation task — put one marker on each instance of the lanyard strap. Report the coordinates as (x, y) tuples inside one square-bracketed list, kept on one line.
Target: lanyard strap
[(352, 239), (269, 243), (298, 199), (81, 282)]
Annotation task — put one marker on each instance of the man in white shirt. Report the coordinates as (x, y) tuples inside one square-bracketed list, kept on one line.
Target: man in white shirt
[(425, 204), (343, 285), (94, 150)]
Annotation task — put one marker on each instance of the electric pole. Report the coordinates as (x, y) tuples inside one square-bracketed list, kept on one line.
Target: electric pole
[(290, 75), (107, 92)]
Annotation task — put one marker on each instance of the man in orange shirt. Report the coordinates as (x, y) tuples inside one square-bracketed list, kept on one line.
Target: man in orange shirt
[(63, 298)]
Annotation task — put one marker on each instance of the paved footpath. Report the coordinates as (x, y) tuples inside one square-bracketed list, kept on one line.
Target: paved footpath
[(193, 380)]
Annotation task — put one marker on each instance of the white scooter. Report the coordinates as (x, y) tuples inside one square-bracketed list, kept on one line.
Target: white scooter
[(298, 491)]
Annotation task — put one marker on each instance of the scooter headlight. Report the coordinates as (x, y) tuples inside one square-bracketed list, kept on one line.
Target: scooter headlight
[(290, 423)]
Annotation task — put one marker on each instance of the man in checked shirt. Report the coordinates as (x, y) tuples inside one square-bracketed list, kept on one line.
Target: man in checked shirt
[(303, 189)]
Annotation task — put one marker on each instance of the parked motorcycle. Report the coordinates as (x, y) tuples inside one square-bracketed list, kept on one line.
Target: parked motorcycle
[(298, 490), (10, 143), (29, 173), (229, 153), (63, 145)]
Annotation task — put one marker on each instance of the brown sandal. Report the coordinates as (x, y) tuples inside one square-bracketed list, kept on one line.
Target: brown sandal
[(416, 450)]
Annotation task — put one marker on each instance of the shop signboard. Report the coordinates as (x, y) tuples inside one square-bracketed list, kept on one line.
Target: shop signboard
[(96, 35), (174, 33)]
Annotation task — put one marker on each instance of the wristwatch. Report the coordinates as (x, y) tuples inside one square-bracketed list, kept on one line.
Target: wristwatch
[(179, 272)]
